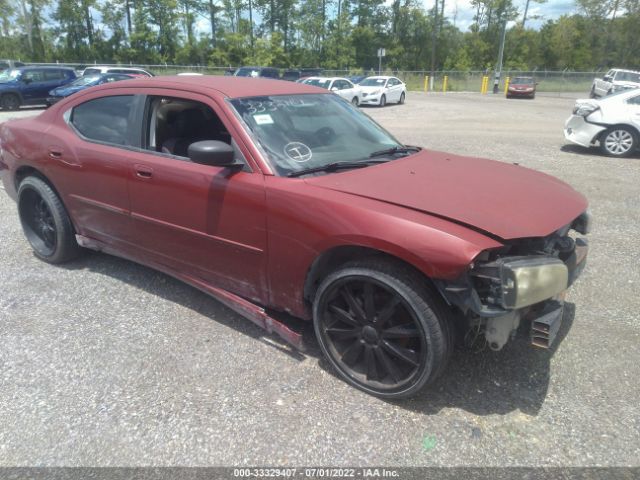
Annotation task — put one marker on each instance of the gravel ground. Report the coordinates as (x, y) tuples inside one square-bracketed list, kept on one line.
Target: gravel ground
[(104, 362)]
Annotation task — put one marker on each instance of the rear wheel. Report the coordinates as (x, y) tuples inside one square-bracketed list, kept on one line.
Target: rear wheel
[(382, 328), (618, 141), (10, 101), (45, 222), (383, 100), (402, 97)]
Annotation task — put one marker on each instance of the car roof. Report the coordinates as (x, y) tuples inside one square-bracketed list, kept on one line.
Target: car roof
[(47, 67), (232, 87)]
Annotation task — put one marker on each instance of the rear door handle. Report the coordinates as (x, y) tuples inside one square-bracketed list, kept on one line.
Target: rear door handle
[(55, 153), (142, 171)]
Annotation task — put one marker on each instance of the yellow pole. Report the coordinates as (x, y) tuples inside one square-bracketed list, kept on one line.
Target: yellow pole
[(426, 83), (485, 85), (482, 86), (444, 84), (506, 84)]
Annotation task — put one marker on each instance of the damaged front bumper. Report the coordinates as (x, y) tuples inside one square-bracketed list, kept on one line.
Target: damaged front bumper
[(496, 295)]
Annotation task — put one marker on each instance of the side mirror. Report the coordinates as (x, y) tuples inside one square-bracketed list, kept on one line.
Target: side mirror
[(212, 152), (606, 78)]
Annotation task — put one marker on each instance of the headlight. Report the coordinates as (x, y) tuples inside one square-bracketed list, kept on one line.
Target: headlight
[(529, 281), (517, 282), (584, 109)]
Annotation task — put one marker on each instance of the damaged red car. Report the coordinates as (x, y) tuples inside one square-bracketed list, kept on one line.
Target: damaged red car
[(280, 197)]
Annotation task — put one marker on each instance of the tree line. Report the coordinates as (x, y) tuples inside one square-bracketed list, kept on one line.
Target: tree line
[(334, 34)]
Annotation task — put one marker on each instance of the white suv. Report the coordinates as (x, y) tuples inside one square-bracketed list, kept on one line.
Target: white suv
[(614, 81), (134, 72)]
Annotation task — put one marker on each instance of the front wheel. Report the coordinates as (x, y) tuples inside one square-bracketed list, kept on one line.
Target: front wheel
[(383, 100), (355, 102), (618, 141), (45, 222), (382, 328)]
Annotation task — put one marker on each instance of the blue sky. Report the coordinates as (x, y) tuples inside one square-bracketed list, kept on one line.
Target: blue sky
[(464, 12)]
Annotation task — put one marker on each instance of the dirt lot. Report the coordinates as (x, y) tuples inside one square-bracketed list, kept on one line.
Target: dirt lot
[(104, 362)]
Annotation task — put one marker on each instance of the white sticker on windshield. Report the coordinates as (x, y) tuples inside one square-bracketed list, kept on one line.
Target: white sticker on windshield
[(263, 119)]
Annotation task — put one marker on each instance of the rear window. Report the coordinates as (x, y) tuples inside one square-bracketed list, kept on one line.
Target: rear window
[(105, 119)]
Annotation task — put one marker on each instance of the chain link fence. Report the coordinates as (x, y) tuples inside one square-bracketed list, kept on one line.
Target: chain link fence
[(456, 81)]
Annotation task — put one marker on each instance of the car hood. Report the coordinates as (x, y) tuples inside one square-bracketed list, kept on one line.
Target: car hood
[(66, 91), (504, 200)]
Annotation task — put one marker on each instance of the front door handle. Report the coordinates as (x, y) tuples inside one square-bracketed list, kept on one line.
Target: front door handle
[(142, 171)]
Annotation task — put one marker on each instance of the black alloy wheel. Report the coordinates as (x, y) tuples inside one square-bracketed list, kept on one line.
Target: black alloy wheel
[(45, 222), (379, 330), (10, 101)]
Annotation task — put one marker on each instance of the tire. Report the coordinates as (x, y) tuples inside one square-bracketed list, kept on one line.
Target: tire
[(383, 100), (592, 93), (402, 97), (619, 141), (355, 102), (10, 101), (392, 359), (45, 222)]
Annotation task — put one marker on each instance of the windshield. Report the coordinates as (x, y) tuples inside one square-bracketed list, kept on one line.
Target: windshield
[(628, 77), (373, 82), (319, 82), (523, 81), (9, 75), (306, 131), (90, 71), (247, 72), (85, 80)]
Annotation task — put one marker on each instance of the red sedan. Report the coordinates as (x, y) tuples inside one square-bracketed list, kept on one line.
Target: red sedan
[(522, 87), (280, 197)]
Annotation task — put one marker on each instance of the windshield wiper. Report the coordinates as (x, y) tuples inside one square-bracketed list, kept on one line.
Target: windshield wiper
[(332, 167), (394, 150)]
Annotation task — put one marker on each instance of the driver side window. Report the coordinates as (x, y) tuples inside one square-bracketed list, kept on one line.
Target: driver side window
[(173, 124)]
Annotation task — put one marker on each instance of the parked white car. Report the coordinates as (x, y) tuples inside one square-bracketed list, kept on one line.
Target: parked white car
[(614, 81), (381, 90), (612, 122), (338, 85), (98, 69)]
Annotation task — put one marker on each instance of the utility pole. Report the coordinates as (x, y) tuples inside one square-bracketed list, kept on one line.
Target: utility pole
[(434, 39), (498, 72)]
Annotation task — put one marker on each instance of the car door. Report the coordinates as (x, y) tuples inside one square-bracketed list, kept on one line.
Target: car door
[(395, 89), (633, 104), (205, 220), (89, 148), (34, 86)]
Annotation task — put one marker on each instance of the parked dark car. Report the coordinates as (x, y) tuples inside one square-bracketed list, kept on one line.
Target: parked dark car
[(82, 83), (267, 72), (6, 64), (31, 85), (522, 87), (294, 75), (278, 197), (356, 79)]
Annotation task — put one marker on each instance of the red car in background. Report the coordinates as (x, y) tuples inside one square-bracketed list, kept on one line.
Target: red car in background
[(522, 87), (280, 197)]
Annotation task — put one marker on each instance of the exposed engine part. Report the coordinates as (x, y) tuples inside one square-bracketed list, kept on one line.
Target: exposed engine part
[(499, 329)]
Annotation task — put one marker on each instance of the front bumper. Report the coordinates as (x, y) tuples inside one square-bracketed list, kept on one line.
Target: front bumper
[(52, 100), (521, 93), (371, 99), (577, 130)]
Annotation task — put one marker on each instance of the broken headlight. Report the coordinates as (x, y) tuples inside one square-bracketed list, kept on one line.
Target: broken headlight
[(517, 282)]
